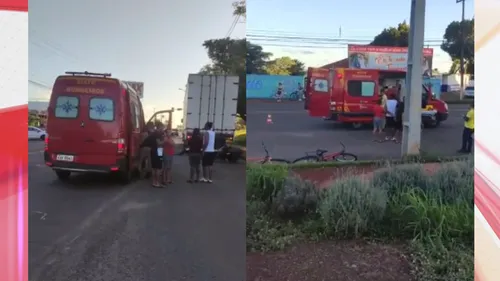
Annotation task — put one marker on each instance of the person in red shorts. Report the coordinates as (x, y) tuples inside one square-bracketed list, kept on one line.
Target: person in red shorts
[(168, 155), (378, 121)]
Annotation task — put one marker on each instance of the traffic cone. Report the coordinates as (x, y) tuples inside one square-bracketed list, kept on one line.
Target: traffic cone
[(269, 119)]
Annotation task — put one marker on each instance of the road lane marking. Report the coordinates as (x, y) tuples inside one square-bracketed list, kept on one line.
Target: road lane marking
[(42, 215), (35, 152), (68, 240)]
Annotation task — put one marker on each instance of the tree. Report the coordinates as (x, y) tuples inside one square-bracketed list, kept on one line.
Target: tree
[(256, 59), (240, 8), (209, 69), (453, 43), (285, 66), (227, 55), (393, 36)]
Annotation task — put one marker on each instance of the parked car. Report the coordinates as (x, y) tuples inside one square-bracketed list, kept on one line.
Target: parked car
[(35, 133), (469, 92)]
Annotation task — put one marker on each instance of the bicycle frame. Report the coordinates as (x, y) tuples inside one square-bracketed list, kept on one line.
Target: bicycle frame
[(331, 156)]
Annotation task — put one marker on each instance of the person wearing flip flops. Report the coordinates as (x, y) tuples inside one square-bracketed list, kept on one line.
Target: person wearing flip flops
[(390, 117), (195, 144), (378, 121), (398, 125), (209, 153), (155, 142), (168, 155)]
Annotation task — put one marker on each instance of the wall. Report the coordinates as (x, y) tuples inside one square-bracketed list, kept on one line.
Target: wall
[(264, 86), (436, 85), (453, 81)]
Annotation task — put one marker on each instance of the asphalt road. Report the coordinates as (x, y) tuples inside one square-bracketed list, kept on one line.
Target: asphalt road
[(94, 229), (293, 133)]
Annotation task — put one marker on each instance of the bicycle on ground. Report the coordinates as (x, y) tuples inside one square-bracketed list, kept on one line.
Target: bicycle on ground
[(321, 155)]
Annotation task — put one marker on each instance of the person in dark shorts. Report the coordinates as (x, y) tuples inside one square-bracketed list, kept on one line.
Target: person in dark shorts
[(398, 121), (468, 132), (145, 161), (155, 143), (195, 144), (390, 118), (209, 153), (279, 92)]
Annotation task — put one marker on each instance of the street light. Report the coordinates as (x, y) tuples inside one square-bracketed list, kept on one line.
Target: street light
[(462, 47)]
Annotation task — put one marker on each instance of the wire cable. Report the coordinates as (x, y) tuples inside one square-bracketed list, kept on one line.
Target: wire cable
[(233, 25)]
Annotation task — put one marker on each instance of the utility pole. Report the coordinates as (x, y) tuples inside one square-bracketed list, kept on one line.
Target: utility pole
[(412, 117), (462, 47)]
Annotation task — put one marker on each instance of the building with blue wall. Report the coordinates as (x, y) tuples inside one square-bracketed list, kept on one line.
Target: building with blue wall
[(265, 86)]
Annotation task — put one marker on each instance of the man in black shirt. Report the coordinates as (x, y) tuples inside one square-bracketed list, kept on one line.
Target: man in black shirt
[(145, 166), (398, 126)]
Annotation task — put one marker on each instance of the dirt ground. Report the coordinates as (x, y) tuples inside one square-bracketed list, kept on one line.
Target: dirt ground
[(332, 261), (323, 177)]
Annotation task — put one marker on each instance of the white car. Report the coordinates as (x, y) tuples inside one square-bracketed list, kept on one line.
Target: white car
[(469, 92), (35, 133)]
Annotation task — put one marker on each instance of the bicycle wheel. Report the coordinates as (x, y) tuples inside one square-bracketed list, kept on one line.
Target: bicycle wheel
[(293, 97), (307, 159), (345, 157), (276, 161)]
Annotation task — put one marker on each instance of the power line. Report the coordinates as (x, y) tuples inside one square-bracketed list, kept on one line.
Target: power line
[(307, 34), (316, 46), (233, 25), (39, 84), (319, 39)]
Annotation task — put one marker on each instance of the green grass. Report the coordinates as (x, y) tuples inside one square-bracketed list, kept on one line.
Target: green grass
[(433, 213)]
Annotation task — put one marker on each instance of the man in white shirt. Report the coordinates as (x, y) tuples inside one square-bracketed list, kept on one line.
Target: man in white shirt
[(209, 153), (391, 105)]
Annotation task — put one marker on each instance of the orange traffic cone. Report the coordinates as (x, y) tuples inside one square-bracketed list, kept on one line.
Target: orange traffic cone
[(269, 119)]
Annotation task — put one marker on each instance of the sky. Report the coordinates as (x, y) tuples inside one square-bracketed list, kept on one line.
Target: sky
[(360, 19), (159, 43)]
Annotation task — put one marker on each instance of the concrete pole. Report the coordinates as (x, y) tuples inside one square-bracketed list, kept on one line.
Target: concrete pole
[(412, 117)]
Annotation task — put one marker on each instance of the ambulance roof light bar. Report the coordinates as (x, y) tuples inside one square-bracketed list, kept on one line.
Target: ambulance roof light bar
[(86, 73)]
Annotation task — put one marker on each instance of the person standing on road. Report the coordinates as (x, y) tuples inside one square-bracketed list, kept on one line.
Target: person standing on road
[(378, 121), (145, 152), (383, 96), (468, 132), (279, 92), (168, 155), (390, 117), (398, 125), (195, 144), (300, 91), (398, 89), (209, 152), (155, 143)]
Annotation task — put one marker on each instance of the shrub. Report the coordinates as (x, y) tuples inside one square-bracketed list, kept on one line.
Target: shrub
[(398, 179), (265, 234), (264, 181), (421, 216), (351, 207), (440, 212), (454, 183), (295, 198)]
